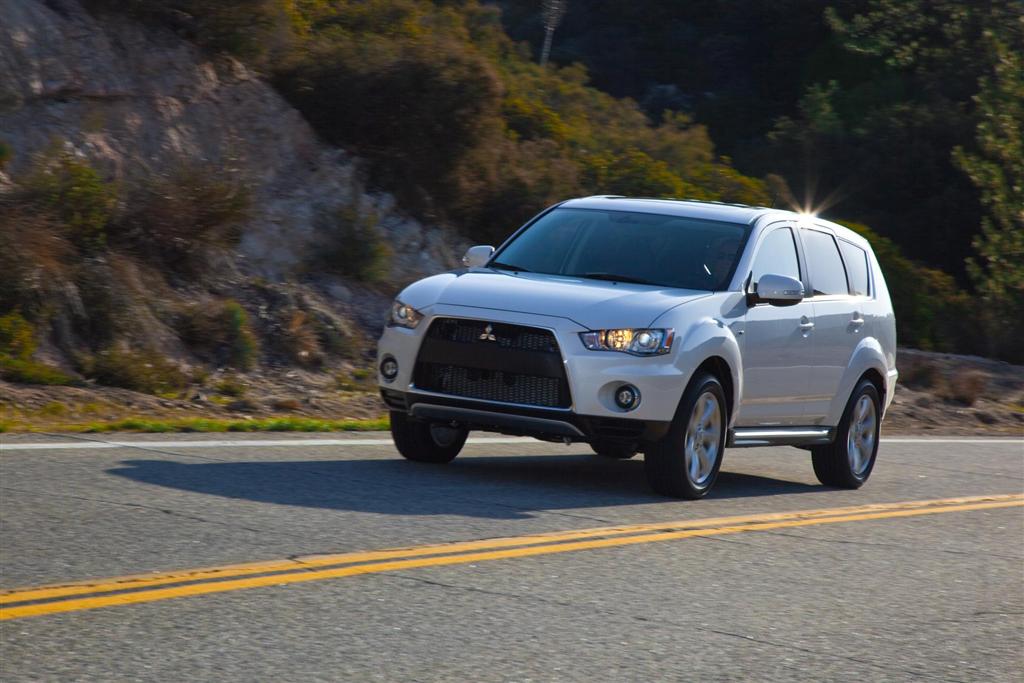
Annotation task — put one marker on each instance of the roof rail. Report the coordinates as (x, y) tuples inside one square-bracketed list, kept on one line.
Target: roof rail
[(680, 199)]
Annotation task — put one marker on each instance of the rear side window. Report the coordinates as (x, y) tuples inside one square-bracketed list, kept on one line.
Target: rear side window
[(856, 267), (777, 256), (828, 276)]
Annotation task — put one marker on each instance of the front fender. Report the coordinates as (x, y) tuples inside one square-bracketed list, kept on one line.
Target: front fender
[(710, 338)]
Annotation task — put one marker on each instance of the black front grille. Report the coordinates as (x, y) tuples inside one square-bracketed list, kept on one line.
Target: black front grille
[(505, 336), (492, 361)]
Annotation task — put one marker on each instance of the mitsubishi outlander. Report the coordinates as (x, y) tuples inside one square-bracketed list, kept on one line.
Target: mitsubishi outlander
[(672, 328)]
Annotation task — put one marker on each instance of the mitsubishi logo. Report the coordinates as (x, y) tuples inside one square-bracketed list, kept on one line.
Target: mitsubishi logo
[(488, 334)]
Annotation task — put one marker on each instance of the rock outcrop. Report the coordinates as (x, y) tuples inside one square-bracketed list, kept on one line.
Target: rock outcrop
[(136, 100)]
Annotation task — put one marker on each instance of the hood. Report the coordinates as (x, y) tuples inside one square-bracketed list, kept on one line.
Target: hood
[(593, 304)]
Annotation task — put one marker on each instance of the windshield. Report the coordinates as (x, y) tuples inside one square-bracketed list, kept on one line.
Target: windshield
[(668, 251)]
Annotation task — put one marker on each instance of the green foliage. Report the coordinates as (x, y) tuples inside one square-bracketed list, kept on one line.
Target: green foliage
[(277, 424), (74, 192), (17, 345), (144, 371), (231, 387), (5, 154), (633, 173), (423, 105), (241, 341), (17, 337), (32, 372), (353, 245), (220, 334), (997, 169), (251, 29)]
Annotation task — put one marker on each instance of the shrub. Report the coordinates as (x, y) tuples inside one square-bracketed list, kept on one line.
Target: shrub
[(32, 372), (965, 386), (246, 28), (354, 247), (35, 257), (173, 219), (242, 342), (423, 105), (231, 387), (220, 334), (301, 340), (289, 404), (17, 337), (17, 344), (144, 371), (73, 191), (633, 173), (919, 373)]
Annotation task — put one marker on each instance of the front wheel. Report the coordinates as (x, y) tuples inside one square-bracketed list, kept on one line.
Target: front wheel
[(685, 462), (847, 462), (426, 441)]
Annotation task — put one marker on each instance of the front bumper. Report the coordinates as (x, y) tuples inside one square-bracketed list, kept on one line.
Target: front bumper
[(542, 423), (593, 377)]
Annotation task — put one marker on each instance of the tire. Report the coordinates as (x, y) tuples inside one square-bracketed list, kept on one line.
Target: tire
[(685, 462), (847, 462), (426, 441), (613, 450)]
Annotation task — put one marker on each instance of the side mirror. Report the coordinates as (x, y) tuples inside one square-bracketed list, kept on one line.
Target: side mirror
[(777, 290), (477, 256)]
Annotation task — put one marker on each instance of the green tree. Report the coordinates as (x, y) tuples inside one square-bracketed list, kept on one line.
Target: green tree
[(997, 169)]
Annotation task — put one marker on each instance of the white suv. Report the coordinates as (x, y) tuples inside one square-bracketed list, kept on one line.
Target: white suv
[(675, 328)]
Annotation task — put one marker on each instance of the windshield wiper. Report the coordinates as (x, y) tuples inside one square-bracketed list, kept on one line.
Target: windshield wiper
[(613, 277), (508, 266)]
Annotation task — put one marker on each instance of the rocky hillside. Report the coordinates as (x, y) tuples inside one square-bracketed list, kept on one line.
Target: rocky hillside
[(166, 209), (138, 101)]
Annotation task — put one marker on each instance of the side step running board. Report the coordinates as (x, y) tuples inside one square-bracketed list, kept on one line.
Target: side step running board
[(780, 436)]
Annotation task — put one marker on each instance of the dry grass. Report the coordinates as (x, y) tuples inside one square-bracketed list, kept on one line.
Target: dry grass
[(965, 386), (919, 373), (145, 371), (301, 340)]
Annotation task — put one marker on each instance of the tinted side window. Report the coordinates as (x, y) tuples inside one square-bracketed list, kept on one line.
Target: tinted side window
[(777, 256), (827, 273), (856, 267)]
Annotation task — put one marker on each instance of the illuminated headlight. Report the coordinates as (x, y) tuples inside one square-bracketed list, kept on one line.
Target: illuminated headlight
[(404, 315), (639, 342)]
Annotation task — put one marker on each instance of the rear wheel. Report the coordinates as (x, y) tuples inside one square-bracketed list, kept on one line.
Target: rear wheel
[(685, 462), (847, 462), (426, 441), (615, 451)]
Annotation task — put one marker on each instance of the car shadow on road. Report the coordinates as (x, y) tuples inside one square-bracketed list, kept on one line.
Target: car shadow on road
[(506, 487)]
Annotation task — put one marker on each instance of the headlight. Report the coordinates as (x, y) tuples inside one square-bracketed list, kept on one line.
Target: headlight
[(639, 342), (404, 315)]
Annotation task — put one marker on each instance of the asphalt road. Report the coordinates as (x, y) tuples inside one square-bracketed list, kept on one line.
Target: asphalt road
[(610, 583)]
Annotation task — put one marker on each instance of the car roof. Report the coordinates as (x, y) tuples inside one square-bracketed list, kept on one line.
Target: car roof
[(733, 213), (720, 211)]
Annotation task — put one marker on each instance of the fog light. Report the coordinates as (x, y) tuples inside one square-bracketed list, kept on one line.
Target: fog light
[(389, 368), (627, 397)]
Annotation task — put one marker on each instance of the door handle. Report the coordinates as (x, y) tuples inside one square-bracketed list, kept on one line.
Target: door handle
[(857, 320), (806, 324)]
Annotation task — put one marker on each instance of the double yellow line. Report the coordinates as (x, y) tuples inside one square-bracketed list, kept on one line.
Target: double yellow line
[(127, 590)]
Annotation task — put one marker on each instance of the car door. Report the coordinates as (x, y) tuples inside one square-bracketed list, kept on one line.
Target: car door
[(776, 340), (838, 321)]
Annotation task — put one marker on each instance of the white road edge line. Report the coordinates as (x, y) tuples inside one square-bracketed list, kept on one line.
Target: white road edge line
[(228, 443), (306, 443)]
